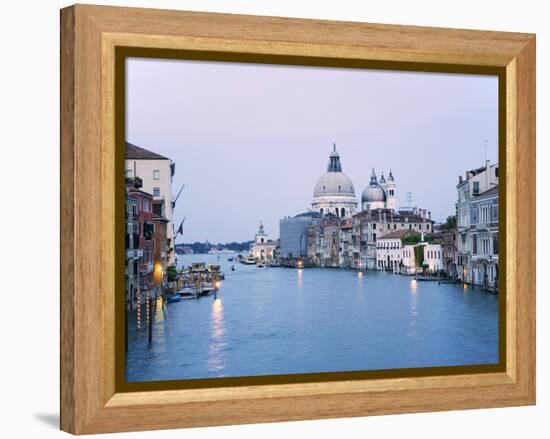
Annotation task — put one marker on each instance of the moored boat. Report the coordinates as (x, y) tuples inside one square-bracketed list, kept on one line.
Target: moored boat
[(174, 298)]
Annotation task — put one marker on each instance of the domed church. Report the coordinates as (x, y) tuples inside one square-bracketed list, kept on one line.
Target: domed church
[(379, 195), (334, 192)]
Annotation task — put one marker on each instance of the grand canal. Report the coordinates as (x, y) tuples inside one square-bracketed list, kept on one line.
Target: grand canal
[(280, 320)]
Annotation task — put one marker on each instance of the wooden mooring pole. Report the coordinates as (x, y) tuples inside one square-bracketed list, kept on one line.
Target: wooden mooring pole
[(150, 319)]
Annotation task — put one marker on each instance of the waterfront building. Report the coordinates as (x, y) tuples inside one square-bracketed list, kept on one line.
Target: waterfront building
[(421, 257), (133, 253), (373, 224), (410, 253), (408, 259), (160, 257), (346, 247), (293, 236), (477, 182), (263, 248), (343, 236), (448, 247), (144, 236), (484, 237), (390, 254), (324, 242), (334, 192), (433, 257), (156, 173)]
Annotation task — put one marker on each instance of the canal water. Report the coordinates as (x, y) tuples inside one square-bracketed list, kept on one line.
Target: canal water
[(281, 320)]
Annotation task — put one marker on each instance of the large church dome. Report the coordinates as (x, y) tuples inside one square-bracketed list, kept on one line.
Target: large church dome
[(334, 181), (334, 192)]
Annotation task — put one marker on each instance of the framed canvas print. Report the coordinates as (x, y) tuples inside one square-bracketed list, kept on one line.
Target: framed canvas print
[(268, 219)]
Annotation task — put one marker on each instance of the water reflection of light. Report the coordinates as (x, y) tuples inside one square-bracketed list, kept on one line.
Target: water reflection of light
[(159, 314), (217, 319), (217, 344), (413, 305), (300, 278), (359, 280)]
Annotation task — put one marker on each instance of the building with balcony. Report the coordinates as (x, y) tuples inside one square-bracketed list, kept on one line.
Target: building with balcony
[(131, 260), (143, 245), (156, 173), (484, 237), (477, 227)]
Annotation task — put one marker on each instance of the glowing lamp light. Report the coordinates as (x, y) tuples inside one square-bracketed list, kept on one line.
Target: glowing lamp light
[(360, 273), (158, 273)]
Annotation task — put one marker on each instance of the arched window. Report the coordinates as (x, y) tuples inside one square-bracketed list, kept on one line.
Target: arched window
[(322, 211), (262, 240), (343, 213)]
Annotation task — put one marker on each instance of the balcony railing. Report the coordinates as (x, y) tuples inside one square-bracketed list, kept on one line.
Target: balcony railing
[(134, 253)]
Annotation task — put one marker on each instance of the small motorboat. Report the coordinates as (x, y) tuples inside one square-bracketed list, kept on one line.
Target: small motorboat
[(174, 298)]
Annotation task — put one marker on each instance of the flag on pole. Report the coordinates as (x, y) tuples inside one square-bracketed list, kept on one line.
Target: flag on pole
[(180, 228)]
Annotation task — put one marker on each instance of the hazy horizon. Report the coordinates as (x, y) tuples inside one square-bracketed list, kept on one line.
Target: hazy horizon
[(250, 141)]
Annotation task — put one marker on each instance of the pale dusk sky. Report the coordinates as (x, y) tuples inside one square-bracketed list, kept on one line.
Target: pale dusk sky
[(250, 141)]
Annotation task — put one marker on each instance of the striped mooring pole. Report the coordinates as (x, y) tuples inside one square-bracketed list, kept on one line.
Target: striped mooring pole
[(138, 319)]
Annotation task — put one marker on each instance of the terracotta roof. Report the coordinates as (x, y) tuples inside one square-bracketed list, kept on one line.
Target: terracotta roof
[(138, 153), (346, 224), (398, 234)]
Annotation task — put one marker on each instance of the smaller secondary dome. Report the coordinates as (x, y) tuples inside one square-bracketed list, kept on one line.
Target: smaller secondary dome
[(373, 192)]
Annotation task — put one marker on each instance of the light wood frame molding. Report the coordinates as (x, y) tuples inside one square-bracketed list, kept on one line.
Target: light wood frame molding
[(89, 36)]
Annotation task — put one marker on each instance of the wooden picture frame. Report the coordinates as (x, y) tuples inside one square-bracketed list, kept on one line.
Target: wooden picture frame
[(91, 401)]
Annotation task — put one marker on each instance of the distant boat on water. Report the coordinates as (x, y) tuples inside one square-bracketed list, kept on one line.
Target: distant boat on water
[(250, 260)]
